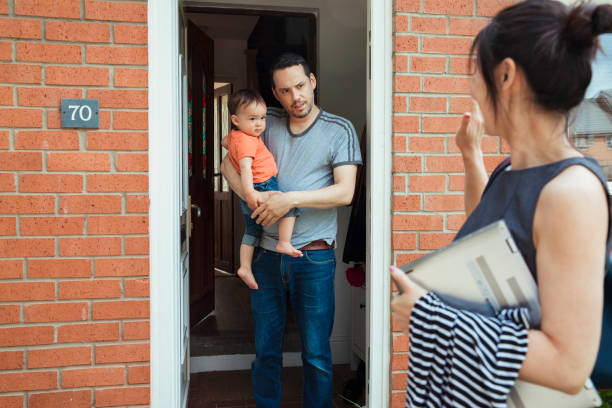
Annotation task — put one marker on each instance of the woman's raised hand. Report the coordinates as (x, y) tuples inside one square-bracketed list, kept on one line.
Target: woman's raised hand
[(469, 134)]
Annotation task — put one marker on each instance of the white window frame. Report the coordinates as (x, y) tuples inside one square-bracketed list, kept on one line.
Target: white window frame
[(164, 145)]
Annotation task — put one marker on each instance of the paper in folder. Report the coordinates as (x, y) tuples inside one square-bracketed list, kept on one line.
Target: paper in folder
[(485, 272)]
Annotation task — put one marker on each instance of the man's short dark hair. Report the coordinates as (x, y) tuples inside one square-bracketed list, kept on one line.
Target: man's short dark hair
[(286, 60), (244, 97)]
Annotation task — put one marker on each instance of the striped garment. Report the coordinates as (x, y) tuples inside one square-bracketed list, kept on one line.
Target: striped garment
[(463, 359)]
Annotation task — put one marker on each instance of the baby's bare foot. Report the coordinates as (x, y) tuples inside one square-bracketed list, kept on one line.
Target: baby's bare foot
[(247, 277), (288, 249)]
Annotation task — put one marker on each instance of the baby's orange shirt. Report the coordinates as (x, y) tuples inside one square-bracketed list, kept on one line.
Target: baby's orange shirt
[(242, 145)]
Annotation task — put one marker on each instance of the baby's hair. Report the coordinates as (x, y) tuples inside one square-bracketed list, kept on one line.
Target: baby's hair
[(244, 97)]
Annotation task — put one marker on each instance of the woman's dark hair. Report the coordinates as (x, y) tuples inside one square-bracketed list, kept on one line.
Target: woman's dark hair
[(243, 97), (551, 43), (287, 60)]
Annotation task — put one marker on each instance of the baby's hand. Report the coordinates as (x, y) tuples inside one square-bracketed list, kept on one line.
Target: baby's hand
[(253, 200)]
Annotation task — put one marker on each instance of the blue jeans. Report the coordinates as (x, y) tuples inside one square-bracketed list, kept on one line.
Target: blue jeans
[(308, 283), (252, 230)]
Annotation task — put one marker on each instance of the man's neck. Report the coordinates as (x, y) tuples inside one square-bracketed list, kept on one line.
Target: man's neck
[(298, 125)]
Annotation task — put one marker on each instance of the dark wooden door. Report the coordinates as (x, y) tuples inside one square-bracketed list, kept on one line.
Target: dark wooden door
[(201, 177), (224, 212)]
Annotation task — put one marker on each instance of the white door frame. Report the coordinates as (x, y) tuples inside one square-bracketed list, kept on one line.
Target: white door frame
[(164, 177)]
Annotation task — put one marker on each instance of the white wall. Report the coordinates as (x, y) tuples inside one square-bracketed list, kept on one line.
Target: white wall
[(341, 76)]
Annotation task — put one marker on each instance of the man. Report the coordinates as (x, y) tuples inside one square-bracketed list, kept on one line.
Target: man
[(317, 154)]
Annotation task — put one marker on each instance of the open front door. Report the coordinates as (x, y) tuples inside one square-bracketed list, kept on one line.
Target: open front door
[(201, 174)]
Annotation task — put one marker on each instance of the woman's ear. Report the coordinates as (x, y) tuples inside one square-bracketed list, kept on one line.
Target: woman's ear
[(506, 74)]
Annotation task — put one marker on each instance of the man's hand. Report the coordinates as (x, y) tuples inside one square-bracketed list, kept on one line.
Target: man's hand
[(273, 208)]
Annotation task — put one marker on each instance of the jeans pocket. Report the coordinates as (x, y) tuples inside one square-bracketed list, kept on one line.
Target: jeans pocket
[(320, 257)]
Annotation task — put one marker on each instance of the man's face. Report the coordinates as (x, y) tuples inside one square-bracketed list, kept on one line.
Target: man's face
[(294, 90)]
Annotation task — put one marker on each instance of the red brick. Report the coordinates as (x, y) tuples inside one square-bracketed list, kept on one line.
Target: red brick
[(32, 380), (460, 104), (83, 333), (47, 140), (8, 226), (39, 52), (456, 182), (130, 120), (454, 221), (406, 43), (7, 182), (426, 144), (406, 164), (405, 124), (59, 357), (11, 269), (56, 312), (10, 204), (25, 336), (460, 65), (132, 162), (59, 268), (403, 240), (122, 267), (124, 353), (139, 375), (62, 75), (89, 204), (49, 97), (417, 222), (90, 289), (456, 7), (52, 225), (401, 23), (6, 51), (399, 104), (112, 98), (444, 164), (446, 45), (408, 5), (131, 78), (11, 401), (112, 11), (399, 144), (489, 8), (19, 28), (136, 330), (3, 6), (20, 161), (117, 141), (491, 162), (399, 361), (435, 25), (50, 183), (427, 183), (78, 162), (11, 360), (103, 246), (405, 83), (77, 31), (136, 245), (505, 147), (467, 26), (128, 309), (428, 64), (21, 247), (48, 8), (444, 202), (431, 241), (6, 97), (64, 399), (14, 117), (427, 104), (93, 377), (118, 225), (113, 397), (398, 399), (441, 124), (137, 203), (116, 55), (136, 288), (406, 202), (446, 85), (4, 134), (401, 63), (99, 183), (10, 314), (489, 144), (20, 73), (130, 34), (399, 381)]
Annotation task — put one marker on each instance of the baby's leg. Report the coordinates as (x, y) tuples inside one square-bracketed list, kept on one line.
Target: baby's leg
[(285, 230), (245, 272)]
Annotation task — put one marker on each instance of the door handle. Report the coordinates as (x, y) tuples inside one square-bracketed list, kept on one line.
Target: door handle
[(197, 209)]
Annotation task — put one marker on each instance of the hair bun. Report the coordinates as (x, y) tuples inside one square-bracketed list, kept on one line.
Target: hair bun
[(601, 19), (579, 27)]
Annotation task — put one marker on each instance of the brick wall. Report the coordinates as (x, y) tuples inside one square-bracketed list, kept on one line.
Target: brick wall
[(74, 288), (431, 91)]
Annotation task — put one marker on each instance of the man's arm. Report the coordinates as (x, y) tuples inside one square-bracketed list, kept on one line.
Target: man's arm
[(338, 194)]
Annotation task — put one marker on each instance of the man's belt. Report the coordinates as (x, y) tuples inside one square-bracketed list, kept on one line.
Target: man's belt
[(317, 245)]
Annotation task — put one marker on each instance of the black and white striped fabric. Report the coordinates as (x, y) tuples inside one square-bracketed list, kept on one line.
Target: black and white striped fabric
[(463, 359)]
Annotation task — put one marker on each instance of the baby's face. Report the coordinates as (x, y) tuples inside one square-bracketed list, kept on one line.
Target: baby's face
[(251, 119)]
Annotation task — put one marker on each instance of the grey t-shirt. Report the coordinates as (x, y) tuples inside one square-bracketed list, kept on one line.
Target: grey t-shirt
[(306, 161)]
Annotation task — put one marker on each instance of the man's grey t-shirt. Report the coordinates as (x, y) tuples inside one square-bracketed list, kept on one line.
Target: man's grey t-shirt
[(306, 161)]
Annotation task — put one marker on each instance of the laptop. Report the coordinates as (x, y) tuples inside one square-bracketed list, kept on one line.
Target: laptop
[(484, 272)]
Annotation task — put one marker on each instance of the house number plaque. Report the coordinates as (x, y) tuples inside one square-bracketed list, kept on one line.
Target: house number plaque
[(80, 113)]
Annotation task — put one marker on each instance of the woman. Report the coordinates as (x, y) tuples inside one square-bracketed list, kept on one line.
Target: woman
[(532, 66)]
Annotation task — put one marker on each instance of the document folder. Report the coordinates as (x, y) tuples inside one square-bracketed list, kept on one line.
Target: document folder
[(484, 272)]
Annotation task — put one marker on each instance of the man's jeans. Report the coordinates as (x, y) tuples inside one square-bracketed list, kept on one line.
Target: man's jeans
[(308, 283)]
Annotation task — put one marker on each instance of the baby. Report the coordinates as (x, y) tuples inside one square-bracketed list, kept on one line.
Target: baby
[(257, 170)]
